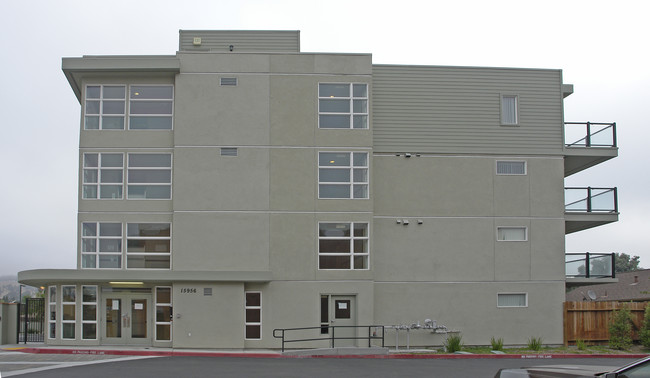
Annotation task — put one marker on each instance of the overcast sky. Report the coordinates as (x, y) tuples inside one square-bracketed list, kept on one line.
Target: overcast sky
[(602, 47)]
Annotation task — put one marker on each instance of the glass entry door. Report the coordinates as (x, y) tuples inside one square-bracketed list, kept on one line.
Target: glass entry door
[(126, 320)]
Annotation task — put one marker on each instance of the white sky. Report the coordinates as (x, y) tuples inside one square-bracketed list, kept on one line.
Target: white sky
[(602, 47)]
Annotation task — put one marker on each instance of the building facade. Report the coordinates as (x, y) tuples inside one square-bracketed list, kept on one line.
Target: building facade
[(241, 186)]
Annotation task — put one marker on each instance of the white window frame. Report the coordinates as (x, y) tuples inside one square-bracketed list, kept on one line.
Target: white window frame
[(513, 227), (165, 305), (89, 321), (351, 113), (525, 164), (145, 254), (504, 114), (352, 238), (129, 184), (99, 169), (102, 100), (68, 321), (52, 309), (508, 293), (98, 237), (162, 115), (246, 308), (351, 167)]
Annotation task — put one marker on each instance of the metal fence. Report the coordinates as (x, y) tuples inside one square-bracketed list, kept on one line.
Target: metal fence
[(375, 332), (590, 265), (31, 320), (591, 200), (590, 134)]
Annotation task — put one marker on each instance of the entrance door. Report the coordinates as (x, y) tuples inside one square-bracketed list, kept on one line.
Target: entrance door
[(126, 320), (342, 313)]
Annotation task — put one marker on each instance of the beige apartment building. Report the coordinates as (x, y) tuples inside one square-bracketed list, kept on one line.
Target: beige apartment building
[(241, 186)]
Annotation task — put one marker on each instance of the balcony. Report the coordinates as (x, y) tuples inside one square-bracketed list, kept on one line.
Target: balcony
[(588, 144), (589, 268), (589, 207)]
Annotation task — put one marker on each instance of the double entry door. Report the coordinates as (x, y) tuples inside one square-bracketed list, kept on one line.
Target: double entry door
[(127, 319)]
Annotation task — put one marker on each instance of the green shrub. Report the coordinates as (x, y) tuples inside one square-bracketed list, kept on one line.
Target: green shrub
[(535, 343), (497, 344), (581, 344), (454, 343), (644, 333), (620, 329)]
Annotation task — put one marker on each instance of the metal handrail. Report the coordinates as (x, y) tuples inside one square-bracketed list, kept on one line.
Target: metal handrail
[(332, 338), (589, 199), (586, 141), (587, 260)]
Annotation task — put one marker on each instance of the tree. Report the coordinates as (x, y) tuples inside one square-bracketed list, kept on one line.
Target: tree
[(626, 263)]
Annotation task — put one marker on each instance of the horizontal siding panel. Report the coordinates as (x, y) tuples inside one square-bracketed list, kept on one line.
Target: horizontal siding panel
[(457, 109), (241, 40)]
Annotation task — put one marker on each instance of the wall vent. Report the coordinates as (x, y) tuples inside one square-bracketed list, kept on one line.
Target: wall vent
[(207, 291), (228, 151), (229, 81)]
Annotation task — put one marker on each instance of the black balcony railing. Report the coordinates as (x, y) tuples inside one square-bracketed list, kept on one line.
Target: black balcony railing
[(590, 265), (590, 134), (591, 200)]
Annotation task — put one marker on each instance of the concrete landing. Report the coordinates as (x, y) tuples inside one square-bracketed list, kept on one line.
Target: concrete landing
[(342, 351)]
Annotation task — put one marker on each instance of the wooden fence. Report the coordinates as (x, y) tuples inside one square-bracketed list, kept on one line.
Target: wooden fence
[(589, 321)]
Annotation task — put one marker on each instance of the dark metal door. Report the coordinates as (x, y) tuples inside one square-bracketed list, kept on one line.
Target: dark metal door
[(31, 319)]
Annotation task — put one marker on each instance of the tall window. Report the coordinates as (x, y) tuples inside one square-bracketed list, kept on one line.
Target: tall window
[(509, 110), (151, 107), (343, 245), (105, 107), (101, 245), (163, 313), (343, 175), (89, 312), (342, 106), (149, 176), (68, 311), (253, 309), (148, 245), (52, 312), (103, 175)]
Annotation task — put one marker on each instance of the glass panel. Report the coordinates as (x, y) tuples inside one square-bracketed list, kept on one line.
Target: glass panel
[(113, 123), (150, 160), (163, 332), (92, 107), (334, 262), (148, 229), (89, 312), (333, 159), (89, 191), (253, 315), (112, 160), (110, 245), (53, 312), (110, 192), (152, 91), (150, 191), (163, 295), (88, 245), (334, 246), (88, 261), (360, 90), (68, 312), (89, 331), (334, 229), (92, 123), (361, 229), (334, 90), (53, 294), (360, 122), (361, 175), (360, 262), (151, 107), (361, 246), (110, 261), (253, 331), (92, 91), (52, 330), (333, 175), (89, 229), (150, 176), (331, 121), (360, 106), (90, 160), (90, 175), (360, 159), (342, 309), (324, 309), (110, 229), (150, 123), (111, 176), (163, 313), (334, 106), (68, 330), (139, 318), (148, 262), (113, 107), (113, 317), (89, 295), (114, 91), (69, 293), (361, 191), (253, 299), (155, 246)]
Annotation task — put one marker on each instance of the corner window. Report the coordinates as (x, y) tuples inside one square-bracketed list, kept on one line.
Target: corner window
[(342, 106), (511, 167), (343, 246), (102, 176), (148, 245), (151, 107), (253, 310), (512, 300), (101, 245), (149, 176), (509, 110), (105, 107), (512, 234), (343, 175)]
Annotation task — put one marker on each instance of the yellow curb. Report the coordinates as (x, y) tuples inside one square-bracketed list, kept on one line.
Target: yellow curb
[(19, 348)]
